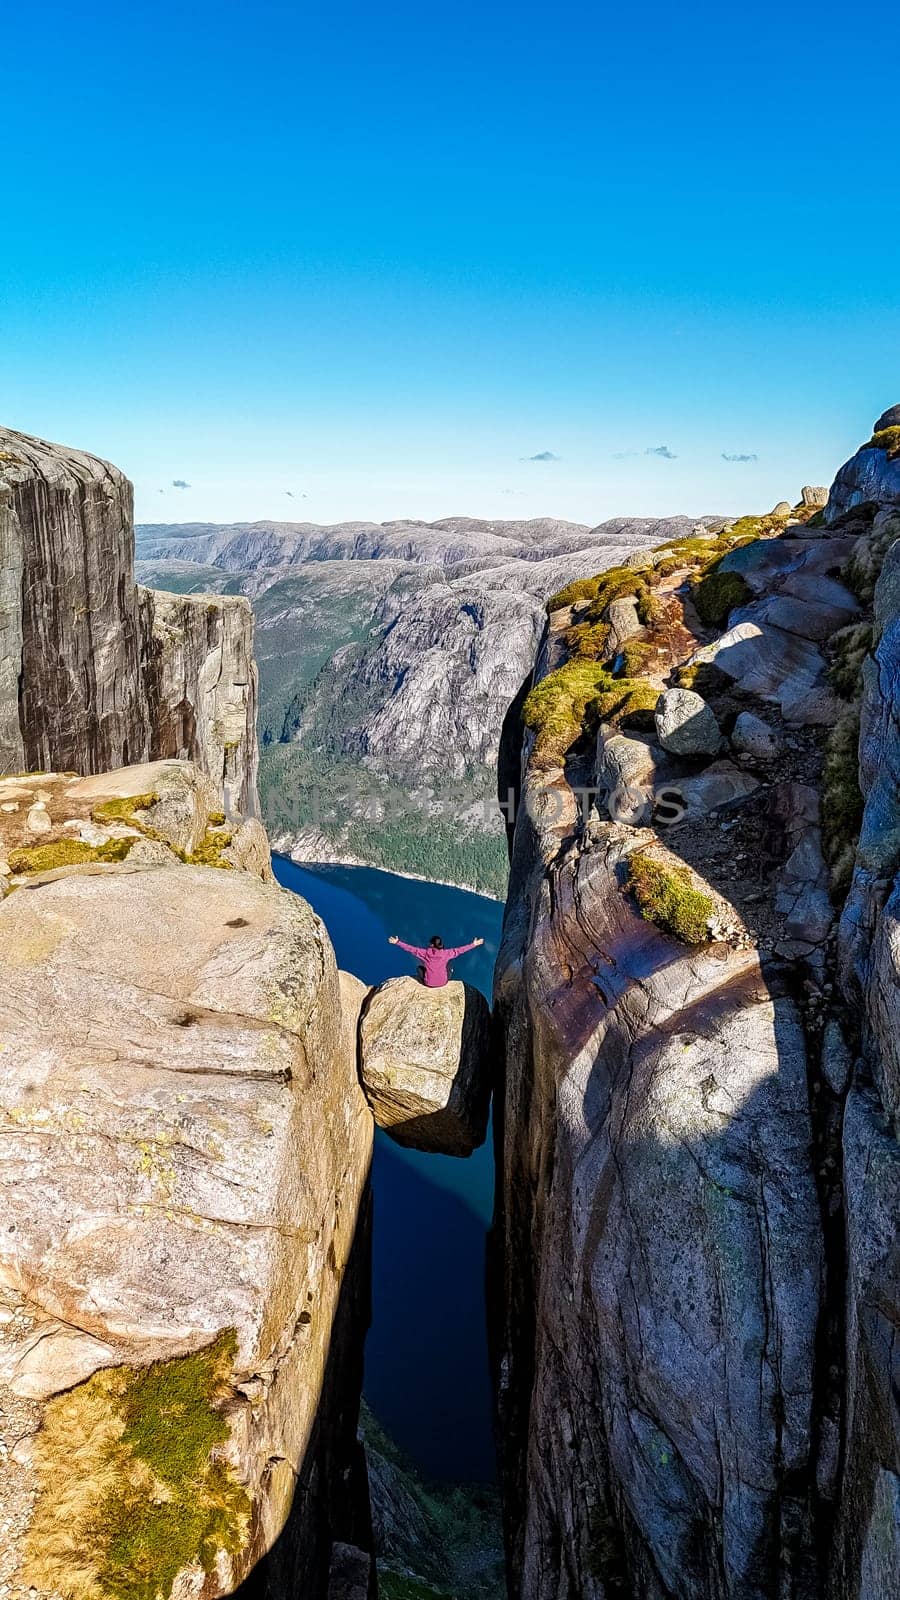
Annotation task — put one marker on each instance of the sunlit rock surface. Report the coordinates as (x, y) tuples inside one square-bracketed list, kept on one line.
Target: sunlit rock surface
[(185, 1152), (425, 1064)]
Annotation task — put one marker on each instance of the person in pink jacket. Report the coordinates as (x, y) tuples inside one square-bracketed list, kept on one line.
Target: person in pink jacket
[(435, 960)]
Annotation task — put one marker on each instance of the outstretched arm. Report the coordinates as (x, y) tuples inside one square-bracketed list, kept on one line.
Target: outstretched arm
[(463, 949), (412, 949)]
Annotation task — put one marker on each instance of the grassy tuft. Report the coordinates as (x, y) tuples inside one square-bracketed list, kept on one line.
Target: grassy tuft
[(849, 649), (888, 439), (719, 593), (66, 853), (863, 569), (667, 897)]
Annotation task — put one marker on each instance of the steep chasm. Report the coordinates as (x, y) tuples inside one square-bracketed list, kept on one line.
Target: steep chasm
[(693, 1275), (94, 672)]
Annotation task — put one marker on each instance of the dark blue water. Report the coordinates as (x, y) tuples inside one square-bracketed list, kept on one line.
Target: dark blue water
[(426, 1355)]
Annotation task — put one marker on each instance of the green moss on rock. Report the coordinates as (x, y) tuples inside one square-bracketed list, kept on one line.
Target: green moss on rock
[(66, 853), (588, 641), (667, 897), (151, 1494), (555, 708), (887, 439), (122, 808), (718, 594)]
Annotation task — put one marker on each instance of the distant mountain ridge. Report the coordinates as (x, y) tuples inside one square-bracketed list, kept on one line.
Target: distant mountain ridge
[(389, 654)]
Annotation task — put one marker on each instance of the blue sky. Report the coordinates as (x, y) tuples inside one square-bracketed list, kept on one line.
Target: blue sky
[(346, 260)]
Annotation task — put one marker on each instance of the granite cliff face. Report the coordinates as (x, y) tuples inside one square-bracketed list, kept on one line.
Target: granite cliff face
[(694, 1264), (184, 1260), (185, 1171), (94, 672)]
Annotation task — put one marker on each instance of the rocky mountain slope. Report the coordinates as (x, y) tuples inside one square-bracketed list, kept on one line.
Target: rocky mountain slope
[(694, 1273), (389, 655)]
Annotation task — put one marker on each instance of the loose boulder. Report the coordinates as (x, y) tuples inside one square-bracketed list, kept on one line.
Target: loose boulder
[(686, 725), (752, 736), (425, 1064)]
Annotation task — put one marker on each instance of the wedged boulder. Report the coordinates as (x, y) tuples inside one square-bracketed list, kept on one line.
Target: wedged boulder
[(350, 1576), (185, 1161), (425, 1064), (628, 768)]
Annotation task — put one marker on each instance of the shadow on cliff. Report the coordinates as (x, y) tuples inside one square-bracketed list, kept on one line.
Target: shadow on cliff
[(723, 1177), (330, 1503)]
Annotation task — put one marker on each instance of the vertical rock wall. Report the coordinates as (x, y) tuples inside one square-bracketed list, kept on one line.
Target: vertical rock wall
[(95, 673), (695, 1274), (867, 1556)]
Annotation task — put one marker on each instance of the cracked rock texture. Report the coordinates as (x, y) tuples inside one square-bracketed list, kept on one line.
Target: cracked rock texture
[(94, 672), (186, 1150)]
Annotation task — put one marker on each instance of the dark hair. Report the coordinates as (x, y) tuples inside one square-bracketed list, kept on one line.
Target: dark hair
[(436, 942)]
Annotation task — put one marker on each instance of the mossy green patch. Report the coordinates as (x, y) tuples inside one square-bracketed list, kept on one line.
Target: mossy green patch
[(122, 808), (132, 1487), (555, 708), (887, 439), (570, 703), (719, 593), (588, 641), (667, 897), (66, 853), (209, 851), (632, 657), (626, 702), (842, 802), (617, 583)]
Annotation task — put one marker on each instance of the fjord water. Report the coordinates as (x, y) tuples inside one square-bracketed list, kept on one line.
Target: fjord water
[(426, 1354)]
